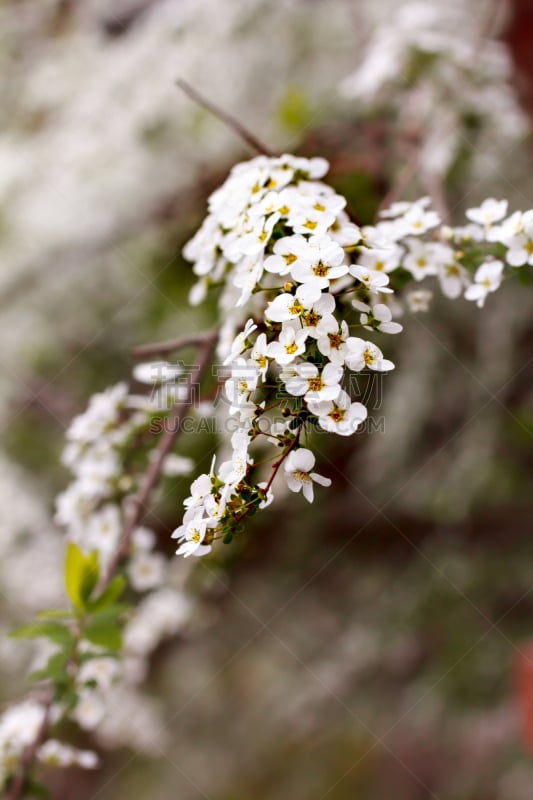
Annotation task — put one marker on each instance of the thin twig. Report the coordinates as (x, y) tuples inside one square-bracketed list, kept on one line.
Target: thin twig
[(133, 516), (137, 505), (171, 345), (229, 120)]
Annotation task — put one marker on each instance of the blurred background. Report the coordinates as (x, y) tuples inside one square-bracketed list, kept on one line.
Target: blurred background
[(380, 643)]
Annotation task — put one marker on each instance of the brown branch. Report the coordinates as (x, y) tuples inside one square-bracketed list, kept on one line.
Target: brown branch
[(133, 516), (171, 345), (229, 120), (137, 505)]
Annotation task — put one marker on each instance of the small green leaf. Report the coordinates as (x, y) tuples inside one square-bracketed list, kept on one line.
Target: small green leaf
[(81, 575), (103, 628), (50, 630), (55, 670), (110, 595), (54, 613)]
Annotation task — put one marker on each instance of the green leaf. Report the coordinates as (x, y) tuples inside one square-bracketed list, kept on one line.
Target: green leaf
[(81, 575), (55, 670), (103, 628), (110, 595), (50, 630), (54, 613), (36, 790)]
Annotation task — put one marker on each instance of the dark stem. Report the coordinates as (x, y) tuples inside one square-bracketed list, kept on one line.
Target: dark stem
[(171, 345), (229, 120), (137, 505)]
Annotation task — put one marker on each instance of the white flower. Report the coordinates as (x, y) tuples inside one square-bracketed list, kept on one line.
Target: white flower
[(487, 279), (453, 278), (57, 754), (489, 211), (420, 259), (298, 466), (103, 671), (340, 416), (146, 571), (243, 382), (287, 306), (314, 385), (291, 343), (318, 321), (200, 489), (175, 465), (419, 300), (233, 471), (288, 252), (417, 221), (20, 724), (239, 342), (324, 262), (380, 320), (344, 231), (381, 260), (259, 355), (333, 344), (102, 412), (246, 277), (90, 709), (401, 207), (103, 531), (373, 280), (154, 372), (517, 234), (361, 354), (316, 220), (192, 534)]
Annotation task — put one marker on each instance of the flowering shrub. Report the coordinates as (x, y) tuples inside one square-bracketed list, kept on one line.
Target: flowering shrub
[(299, 285), (305, 294)]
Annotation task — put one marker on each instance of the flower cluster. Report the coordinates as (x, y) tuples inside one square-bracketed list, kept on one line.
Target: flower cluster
[(468, 260), (428, 55), (297, 275), (19, 728)]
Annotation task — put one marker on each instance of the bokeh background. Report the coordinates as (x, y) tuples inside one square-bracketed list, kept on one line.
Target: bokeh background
[(379, 643)]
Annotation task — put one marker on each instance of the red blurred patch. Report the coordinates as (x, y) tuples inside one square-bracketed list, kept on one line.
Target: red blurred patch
[(524, 692)]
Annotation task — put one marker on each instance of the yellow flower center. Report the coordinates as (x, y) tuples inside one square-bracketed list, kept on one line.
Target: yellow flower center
[(284, 210), (335, 340), (301, 476), (296, 307), (368, 357), (291, 348), (337, 414), (321, 270), (319, 207), (315, 384), (312, 319), (311, 224), (290, 258)]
